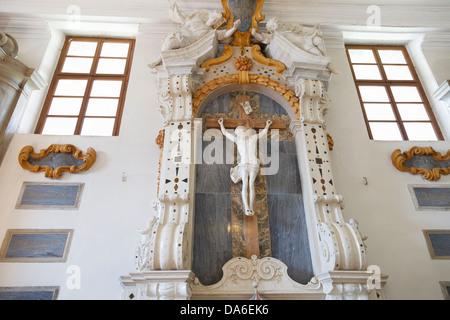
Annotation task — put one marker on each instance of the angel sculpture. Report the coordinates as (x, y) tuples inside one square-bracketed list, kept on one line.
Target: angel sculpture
[(192, 27), (307, 39)]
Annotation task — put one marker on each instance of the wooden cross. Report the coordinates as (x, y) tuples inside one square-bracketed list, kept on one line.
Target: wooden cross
[(250, 222)]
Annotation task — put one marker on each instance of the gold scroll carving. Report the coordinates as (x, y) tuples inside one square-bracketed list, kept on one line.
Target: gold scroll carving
[(434, 174), (28, 152), (264, 81), (259, 57), (226, 55), (160, 142)]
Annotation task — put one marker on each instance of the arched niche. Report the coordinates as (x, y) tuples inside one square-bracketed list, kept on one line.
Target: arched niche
[(219, 221)]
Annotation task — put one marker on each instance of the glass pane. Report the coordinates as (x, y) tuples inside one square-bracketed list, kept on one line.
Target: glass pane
[(419, 131), (414, 111), (65, 106), (77, 65), (111, 49), (82, 48), (392, 56), (70, 87), (102, 107), (406, 94), (111, 66), (60, 126), (379, 111), (385, 131), (98, 127), (106, 88), (398, 73), (373, 94), (367, 72), (361, 56)]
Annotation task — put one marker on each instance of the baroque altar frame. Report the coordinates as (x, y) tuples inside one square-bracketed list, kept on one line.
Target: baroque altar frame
[(187, 81)]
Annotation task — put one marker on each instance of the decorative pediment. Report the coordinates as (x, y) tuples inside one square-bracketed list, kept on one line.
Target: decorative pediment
[(299, 63), (188, 59)]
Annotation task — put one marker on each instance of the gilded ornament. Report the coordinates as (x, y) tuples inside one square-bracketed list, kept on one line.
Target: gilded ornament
[(264, 81), (243, 63), (259, 57), (27, 154), (433, 174), (226, 55)]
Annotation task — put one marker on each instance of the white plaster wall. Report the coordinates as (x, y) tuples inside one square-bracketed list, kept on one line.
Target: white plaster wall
[(384, 208), (111, 209), (439, 61)]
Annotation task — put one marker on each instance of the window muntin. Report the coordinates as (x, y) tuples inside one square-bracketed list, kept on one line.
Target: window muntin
[(393, 102), (88, 89)]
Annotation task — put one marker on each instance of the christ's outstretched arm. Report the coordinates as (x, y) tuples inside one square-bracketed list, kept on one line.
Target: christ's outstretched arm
[(224, 132)]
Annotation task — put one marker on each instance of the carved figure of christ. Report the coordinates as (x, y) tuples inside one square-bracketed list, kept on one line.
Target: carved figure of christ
[(248, 167)]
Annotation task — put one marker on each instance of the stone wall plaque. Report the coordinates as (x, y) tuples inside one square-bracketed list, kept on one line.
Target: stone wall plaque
[(438, 242), (445, 288), (37, 195), (426, 197), (57, 159), (425, 161), (36, 245), (29, 293)]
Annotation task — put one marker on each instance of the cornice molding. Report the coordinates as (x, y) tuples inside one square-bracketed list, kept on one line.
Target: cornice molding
[(29, 19)]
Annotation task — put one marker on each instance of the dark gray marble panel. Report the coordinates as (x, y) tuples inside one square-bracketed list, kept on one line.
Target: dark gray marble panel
[(269, 106), (427, 162), (221, 104), (56, 160), (213, 178), (287, 179), (289, 236), (212, 236), (28, 293), (432, 197), (440, 243), (283, 147), (49, 195), (38, 245)]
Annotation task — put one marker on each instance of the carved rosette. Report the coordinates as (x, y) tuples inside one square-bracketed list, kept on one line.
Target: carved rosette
[(243, 63)]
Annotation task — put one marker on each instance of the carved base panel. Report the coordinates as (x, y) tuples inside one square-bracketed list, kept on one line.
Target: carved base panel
[(157, 285), (243, 277), (353, 285)]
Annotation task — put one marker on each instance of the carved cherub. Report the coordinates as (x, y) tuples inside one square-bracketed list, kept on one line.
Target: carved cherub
[(143, 247), (193, 27), (307, 39)]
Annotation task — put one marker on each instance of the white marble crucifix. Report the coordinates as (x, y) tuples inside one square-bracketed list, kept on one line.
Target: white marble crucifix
[(249, 164)]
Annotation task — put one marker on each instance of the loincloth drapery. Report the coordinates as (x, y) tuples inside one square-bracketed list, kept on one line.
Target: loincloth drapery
[(235, 172)]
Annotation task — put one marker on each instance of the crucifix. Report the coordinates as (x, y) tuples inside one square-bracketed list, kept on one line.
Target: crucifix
[(248, 166)]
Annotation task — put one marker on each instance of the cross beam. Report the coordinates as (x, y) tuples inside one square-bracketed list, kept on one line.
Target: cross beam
[(251, 123)]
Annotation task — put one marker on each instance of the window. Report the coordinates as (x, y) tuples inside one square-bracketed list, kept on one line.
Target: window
[(88, 89), (393, 101)]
